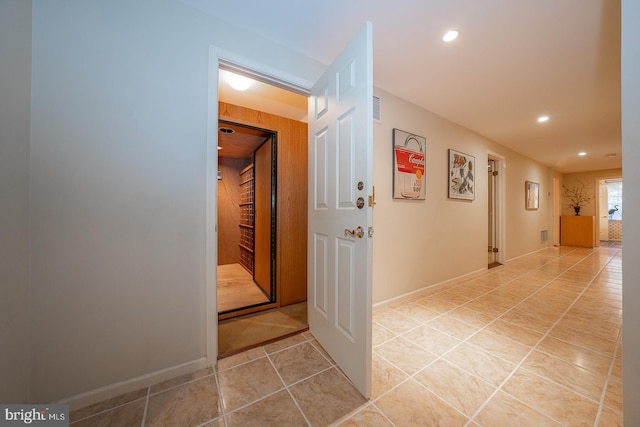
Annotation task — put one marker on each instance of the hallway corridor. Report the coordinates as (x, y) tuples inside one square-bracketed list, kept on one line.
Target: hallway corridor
[(536, 342)]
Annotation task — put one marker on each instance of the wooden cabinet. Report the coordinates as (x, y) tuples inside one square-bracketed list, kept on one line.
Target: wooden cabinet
[(577, 231)]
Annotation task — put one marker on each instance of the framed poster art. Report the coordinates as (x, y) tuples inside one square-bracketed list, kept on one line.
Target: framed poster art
[(531, 195), (461, 175), (409, 158)]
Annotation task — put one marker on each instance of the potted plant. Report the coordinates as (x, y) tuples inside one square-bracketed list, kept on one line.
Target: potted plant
[(577, 196)]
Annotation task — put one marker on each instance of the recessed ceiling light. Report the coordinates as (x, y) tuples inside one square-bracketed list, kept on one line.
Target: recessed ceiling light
[(450, 35), (238, 82), (582, 153), (543, 119)]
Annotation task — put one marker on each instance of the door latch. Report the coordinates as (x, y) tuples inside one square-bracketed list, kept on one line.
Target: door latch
[(372, 197)]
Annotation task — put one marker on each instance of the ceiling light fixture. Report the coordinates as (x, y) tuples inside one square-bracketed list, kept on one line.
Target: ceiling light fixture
[(582, 153), (543, 119), (239, 83), (450, 36)]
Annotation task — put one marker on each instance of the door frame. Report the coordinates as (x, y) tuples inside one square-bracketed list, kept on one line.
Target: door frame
[(597, 203), (599, 213), (232, 61), (499, 200), (274, 297)]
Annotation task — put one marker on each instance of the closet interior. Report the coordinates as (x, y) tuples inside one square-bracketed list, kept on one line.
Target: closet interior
[(262, 211), (246, 220)]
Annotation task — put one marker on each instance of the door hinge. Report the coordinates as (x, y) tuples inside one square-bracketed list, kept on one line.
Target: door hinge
[(495, 173), (495, 250)]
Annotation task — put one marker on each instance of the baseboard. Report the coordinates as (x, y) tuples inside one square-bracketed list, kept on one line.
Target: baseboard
[(112, 390), (425, 289), (511, 260)]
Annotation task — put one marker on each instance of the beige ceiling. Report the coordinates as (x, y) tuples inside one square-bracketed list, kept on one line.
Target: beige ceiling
[(514, 60)]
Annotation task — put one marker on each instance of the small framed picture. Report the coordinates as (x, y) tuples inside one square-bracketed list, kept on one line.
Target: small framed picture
[(531, 195), (461, 175)]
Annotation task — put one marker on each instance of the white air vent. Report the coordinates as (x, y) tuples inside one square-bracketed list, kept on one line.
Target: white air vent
[(377, 109)]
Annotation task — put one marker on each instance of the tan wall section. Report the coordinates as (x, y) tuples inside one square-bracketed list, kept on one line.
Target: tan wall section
[(421, 243)]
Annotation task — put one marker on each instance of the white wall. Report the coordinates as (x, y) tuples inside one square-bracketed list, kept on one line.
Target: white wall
[(421, 243), (15, 92), (631, 189), (118, 161)]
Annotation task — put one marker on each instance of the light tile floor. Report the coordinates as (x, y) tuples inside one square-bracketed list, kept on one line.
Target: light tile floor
[(533, 343)]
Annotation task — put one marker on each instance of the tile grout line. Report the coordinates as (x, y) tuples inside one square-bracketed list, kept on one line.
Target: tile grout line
[(608, 379), (108, 409), (146, 407), (220, 402), (178, 385), (548, 282), (372, 403), (441, 357), (286, 387), (533, 348)]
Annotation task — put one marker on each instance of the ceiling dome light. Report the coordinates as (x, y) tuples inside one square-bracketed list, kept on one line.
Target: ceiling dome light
[(450, 36), (240, 83), (582, 153), (543, 119)]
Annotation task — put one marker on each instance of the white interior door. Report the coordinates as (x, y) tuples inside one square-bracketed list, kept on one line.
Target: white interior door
[(491, 202), (340, 173), (603, 210)]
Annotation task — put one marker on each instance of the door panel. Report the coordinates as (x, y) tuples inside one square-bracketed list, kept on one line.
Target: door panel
[(320, 180), (346, 161), (262, 218), (340, 157), (345, 286), (320, 267)]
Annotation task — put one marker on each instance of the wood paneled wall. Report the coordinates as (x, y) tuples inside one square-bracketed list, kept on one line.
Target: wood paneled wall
[(291, 202), (229, 209)]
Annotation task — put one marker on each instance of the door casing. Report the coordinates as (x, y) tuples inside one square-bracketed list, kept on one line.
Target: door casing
[(499, 201), (255, 69)]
